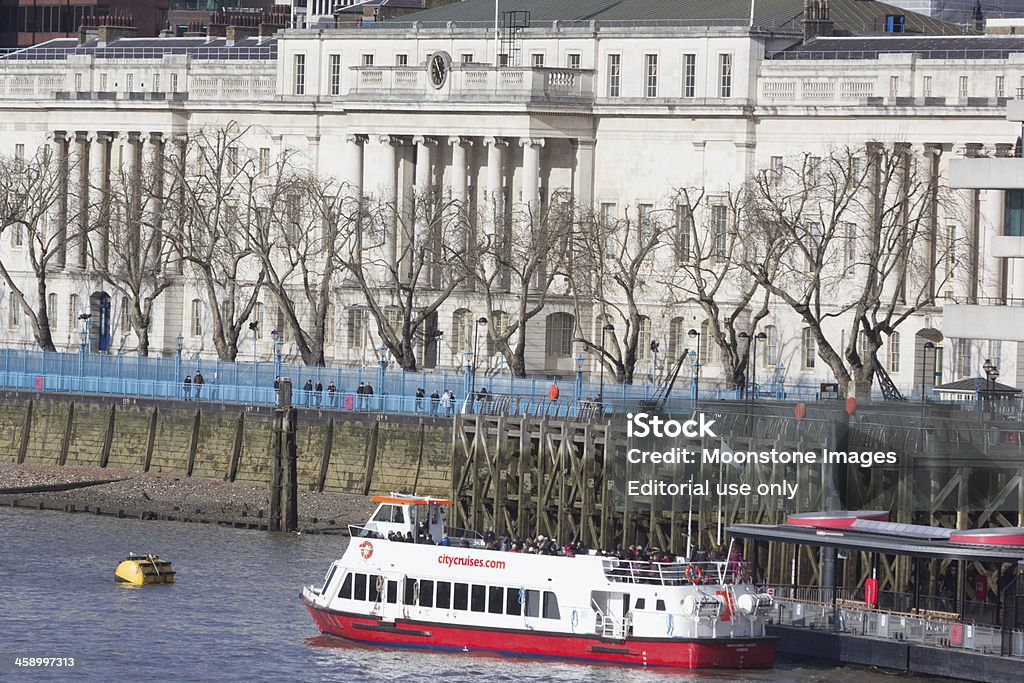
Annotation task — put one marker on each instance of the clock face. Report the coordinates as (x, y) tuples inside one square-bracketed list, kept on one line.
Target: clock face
[(438, 70)]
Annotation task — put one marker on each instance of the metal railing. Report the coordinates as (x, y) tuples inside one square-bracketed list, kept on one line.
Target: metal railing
[(261, 52), (795, 55), (674, 573), (538, 26)]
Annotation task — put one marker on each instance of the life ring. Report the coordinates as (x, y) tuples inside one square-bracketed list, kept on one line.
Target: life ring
[(693, 574), (366, 549)]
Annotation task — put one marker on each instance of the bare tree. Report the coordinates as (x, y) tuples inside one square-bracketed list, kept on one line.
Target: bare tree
[(613, 264), (516, 273), (32, 197), (706, 241), (136, 259), (846, 241), (219, 195)]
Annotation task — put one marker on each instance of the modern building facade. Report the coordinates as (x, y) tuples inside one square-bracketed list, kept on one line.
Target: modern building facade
[(619, 116)]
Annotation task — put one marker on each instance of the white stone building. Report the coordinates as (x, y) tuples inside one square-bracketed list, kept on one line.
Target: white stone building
[(618, 112)]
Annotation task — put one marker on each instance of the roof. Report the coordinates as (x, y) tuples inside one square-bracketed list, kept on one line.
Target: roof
[(851, 17), (141, 48), (977, 384), (925, 47), (405, 499)]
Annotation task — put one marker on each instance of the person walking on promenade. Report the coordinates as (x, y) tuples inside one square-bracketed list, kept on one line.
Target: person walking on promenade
[(447, 401), (435, 400), (319, 393), (332, 395), (361, 396), (198, 381), (420, 395), (368, 392), (186, 387), (307, 390)]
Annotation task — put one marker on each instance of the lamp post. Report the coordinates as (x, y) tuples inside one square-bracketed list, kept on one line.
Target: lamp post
[(760, 336), (608, 327), (177, 357), (654, 353), (694, 334), (476, 354), (254, 328), (746, 337), (991, 373), (924, 364), (276, 336), (578, 360)]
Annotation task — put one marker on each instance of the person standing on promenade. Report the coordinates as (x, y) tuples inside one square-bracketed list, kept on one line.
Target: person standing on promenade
[(186, 387), (368, 392), (435, 400), (307, 390), (361, 396), (319, 393), (420, 395), (198, 381), (332, 395)]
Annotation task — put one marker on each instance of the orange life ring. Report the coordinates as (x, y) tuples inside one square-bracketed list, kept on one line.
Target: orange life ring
[(366, 549), (553, 392), (693, 574)]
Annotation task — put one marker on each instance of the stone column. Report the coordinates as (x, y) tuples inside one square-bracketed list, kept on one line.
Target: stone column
[(354, 164), (131, 153), (459, 169), (81, 207), (583, 173), (59, 155), (531, 172), (180, 163), (99, 170), (389, 195), (153, 173)]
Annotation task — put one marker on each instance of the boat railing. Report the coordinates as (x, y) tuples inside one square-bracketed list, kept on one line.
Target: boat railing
[(675, 573)]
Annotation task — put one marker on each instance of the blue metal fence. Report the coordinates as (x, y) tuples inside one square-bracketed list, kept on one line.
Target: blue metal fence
[(394, 390)]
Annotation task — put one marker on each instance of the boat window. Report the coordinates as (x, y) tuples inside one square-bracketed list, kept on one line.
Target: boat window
[(461, 596), (533, 603), (410, 591), (443, 595), (398, 516), (551, 606), (512, 601), (478, 595), (495, 599), (360, 592), (346, 587), (426, 593), (641, 603), (375, 584), (392, 592), (660, 605), (384, 514), (327, 581)]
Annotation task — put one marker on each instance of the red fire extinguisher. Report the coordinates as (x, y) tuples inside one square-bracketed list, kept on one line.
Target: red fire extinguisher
[(871, 591)]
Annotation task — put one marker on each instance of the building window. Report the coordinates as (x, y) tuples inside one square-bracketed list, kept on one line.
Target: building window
[(103, 81), (1000, 86), (129, 83), (467, 58), (720, 230), (777, 169), (895, 23), (174, 82), (689, 75), (706, 347), (651, 71), (645, 217), (402, 60), (684, 232), (197, 318), (963, 86), (558, 335), (538, 59), (614, 75), (51, 311), (809, 349), (264, 160), (126, 316), (329, 325), (17, 235), (462, 330), (72, 311), (608, 222), (574, 60), (725, 75), (894, 352), (156, 82), (300, 75), (771, 346), (814, 169), (951, 237), (849, 244), (14, 319), (1013, 220), (643, 340), (257, 317), (19, 152), (676, 338), (335, 74), (814, 240), (78, 82), (963, 364), (368, 59), (926, 86), (995, 352), (894, 86)]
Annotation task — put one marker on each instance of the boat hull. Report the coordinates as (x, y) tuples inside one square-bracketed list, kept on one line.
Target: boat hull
[(686, 653)]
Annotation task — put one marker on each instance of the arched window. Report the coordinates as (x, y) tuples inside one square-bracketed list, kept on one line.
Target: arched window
[(894, 352), (676, 338), (771, 346), (462, 330), (558, 335), (809, 349), (643, 340)]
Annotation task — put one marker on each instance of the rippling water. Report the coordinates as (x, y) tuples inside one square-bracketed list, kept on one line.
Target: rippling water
[(233, 613)]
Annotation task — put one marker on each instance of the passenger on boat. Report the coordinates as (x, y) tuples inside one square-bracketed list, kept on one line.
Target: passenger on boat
[(445, 540)]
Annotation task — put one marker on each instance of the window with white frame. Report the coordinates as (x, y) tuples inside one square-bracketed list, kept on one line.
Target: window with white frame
[(894, 86), (467, 58), (335, 74), (72, 311), (558, 329), (689, 75), (17, 235), (684, 232), (894, 352), (849, 244), (643, 339), (156, 82), (677, 336), (964, 84), (197, 318), (814, 241), (174, 82), (129, 83), (462, 330), (126, 316), (1000, 86), (299, 75), (771, 346), (995, 352), (814, 168), (78, 82), (778, 166), (14, 317), (537, 59), (264, 160), (725, 75), (963, 364), (608, 223), (51, 311), (574, 60), (926, 86), (103, 82), (651, 75), (614, 74), (645, 216), (951, 237), (809, 349), (356, 328), (706, 349), (19, 152), (367, 59), (720, 230), (402, 59)]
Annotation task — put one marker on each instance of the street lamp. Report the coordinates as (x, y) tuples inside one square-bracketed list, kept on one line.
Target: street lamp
[(696, 362), (924, 364), (177, 357), (752, 360), (654, 353), (476, 353), (608, 327), (254, 328), (278, 342), (84, 317), (991, 373)]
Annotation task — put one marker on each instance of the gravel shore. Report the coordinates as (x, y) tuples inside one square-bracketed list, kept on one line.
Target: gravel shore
[(163, 496)]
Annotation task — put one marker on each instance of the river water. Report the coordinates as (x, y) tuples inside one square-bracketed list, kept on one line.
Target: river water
[(233, 613)]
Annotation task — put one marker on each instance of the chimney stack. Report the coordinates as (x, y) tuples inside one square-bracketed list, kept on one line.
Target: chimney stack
[(816, 22)]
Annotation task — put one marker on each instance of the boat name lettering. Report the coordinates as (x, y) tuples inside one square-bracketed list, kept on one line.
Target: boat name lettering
[(451, 561)]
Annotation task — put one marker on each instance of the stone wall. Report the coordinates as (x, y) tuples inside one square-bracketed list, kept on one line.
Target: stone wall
[(338, 451)]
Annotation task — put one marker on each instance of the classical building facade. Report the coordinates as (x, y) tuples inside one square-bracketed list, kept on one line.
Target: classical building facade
[(619, 117)]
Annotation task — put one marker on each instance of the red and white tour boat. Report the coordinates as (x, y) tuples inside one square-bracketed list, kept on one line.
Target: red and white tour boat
[(588, 607)]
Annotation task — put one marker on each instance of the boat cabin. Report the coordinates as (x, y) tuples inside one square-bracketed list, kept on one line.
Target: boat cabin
[(420, 516)]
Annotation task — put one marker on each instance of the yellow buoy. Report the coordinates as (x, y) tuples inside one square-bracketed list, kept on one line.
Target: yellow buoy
[(142, 570)]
